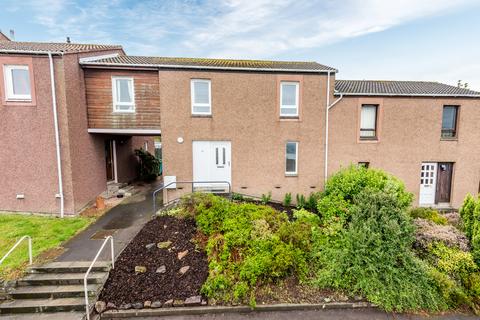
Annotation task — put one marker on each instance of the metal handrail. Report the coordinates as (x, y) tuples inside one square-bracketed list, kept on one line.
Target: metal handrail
[(85, 278), (16, 245), (154, 195)]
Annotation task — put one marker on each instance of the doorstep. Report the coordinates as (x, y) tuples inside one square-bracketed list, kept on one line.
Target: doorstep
[(176, 311)]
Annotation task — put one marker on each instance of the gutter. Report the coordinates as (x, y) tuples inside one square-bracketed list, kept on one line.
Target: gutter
[(57, 137)]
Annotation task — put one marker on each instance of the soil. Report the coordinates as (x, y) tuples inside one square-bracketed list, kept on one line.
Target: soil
[(291, 290), (125, 286)]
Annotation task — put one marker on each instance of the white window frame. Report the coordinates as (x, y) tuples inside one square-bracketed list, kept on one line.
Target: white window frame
[(118, 103), (297, 91), (10, 95), (292, 173), (192, 95)]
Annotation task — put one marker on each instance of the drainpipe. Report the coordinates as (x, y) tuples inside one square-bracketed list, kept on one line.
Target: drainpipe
[(326, 130), (329, 106), (57, 137)]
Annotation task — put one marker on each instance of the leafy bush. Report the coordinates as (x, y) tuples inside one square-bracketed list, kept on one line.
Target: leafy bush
[(372, 256), (237, 196), (287, 199), (470, 213), (248, 244), (428, 214), (311, 202), (342, 188), (149, 167)]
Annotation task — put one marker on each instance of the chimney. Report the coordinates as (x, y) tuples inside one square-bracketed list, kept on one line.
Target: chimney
[(12, 34), (68, 40)]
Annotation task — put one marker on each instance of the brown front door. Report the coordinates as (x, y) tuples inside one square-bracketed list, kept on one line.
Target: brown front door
[(109, 160), (444, 182)]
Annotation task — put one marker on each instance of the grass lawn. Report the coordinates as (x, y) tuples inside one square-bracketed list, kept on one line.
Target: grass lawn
[(47, 233)]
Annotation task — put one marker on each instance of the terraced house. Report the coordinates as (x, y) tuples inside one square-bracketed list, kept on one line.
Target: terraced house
[(71, 115)]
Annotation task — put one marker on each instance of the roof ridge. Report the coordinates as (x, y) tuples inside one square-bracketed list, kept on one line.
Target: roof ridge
[(413, 81), (67, 43), (224, 59)]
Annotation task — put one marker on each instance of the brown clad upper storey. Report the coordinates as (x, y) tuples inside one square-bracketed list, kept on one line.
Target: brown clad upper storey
[(42, 47), (400, 88), (203, 63)]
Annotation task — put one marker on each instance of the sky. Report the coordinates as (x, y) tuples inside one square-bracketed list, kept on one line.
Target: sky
[(432, 40)]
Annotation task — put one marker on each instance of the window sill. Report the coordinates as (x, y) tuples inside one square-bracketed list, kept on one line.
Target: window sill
[(124, 112), (371, 140), (19, 103), (202, 116), (291, 175), (449, 139)]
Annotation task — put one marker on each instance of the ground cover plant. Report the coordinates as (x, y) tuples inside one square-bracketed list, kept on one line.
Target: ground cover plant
[(47, 232)]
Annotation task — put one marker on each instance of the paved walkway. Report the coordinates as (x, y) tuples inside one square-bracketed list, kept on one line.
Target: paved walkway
[(123, 222), (340, 314)]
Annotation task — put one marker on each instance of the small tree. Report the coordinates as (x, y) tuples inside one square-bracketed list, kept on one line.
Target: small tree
[(149, 165)]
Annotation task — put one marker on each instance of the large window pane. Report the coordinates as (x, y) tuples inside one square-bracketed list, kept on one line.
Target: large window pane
[(124, 90), (291, 158), (21, 82), (449, 121), (368, 121), (201, 92)]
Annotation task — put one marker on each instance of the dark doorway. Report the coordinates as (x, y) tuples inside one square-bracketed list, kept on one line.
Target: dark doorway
[(444, 182), (110, 159)]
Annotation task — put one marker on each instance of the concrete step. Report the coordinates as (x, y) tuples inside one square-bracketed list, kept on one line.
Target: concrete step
[(48, 279), (70, 267), (42, 305), (53, 292), (72, 315)]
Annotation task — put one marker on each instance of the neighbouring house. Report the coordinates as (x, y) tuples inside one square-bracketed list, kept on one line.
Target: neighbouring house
[(263, 126)]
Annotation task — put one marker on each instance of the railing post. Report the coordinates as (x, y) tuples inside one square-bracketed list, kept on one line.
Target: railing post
[(30, 257)]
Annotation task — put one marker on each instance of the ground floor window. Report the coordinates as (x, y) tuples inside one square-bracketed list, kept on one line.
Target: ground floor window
[(291, 158)]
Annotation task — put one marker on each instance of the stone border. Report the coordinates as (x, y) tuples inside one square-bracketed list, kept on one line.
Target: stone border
[(176, 311)]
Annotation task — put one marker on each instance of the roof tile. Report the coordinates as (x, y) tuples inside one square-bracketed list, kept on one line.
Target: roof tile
[(297, 66), (53, 47), (400, 88)]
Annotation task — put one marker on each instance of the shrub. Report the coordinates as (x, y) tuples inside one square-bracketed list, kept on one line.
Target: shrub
[(301, 202), (311, 202), (248, 244), (452, 261), (287, 199), (342, 188), (428, 214), (266, 198), (470, 213), (237, 196), (149, 167), (372, 256)]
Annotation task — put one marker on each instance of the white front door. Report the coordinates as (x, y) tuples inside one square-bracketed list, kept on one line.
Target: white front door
[(428, 183), (212, 162)]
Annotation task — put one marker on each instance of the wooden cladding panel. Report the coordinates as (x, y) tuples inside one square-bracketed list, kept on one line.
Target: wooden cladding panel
[(98, 85)]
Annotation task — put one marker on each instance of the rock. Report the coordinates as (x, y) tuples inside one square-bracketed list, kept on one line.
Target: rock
[(327, 300), (168, 303), (164, 226), (125, 306), (178, 303), (147, 304), (183, 270), (182, 254), (342, 298), (204, 302), (100, 306), (156, 304), (150, 245), (161, 269), (140, 269), (193, 301), (176, 232), (428, 232), (111, 306), (164, 244), (137, 305)]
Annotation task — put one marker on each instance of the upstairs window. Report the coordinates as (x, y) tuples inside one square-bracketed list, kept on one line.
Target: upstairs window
[(449, 122), (289, 99), (368, 122), (123, 94), (201, 97), (17, 83), (291, 158)]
